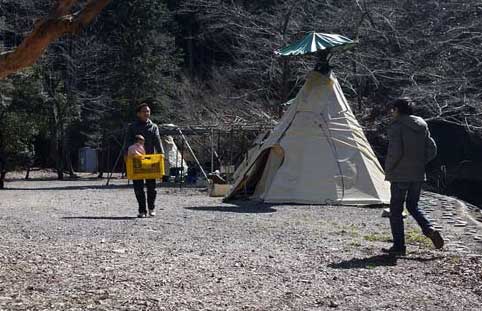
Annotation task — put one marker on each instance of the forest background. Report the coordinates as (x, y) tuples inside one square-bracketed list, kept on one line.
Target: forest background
[(201, 62)]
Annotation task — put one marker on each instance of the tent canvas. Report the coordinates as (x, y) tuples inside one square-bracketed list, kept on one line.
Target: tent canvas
[(317, 154), (256, 144)]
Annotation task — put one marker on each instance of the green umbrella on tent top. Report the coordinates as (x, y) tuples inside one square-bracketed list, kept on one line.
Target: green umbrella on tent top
[(320, 43), (315, 42)]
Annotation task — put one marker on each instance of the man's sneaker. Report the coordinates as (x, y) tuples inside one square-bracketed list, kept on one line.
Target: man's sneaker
[(395, 251), (141, 215), (436, 238), (152, 213)]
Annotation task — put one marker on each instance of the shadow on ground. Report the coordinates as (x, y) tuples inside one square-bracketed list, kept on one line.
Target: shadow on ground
[(376, 261), (365, 263), (53, 178), (77, 187), (102, 217), (103, 186), (236, 207)]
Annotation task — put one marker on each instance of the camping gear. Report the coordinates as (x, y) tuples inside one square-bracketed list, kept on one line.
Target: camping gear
[(174, 161), (317, 154), (88, 161), (322, 45), (192, 153), (217, 190), (148, 166), (315, 42)]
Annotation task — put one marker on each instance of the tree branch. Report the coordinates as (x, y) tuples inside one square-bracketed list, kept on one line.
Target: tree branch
[(62, 7), (47, 31)]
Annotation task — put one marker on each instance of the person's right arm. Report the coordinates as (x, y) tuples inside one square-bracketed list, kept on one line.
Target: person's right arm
[(395, 148)]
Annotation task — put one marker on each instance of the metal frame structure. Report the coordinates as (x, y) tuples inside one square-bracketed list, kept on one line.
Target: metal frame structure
[(199, 130)]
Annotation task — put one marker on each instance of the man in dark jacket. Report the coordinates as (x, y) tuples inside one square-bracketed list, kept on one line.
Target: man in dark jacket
[(152, 144), (410, 148)]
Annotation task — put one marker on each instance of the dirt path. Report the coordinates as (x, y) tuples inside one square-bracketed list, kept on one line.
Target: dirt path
[(76, 245)]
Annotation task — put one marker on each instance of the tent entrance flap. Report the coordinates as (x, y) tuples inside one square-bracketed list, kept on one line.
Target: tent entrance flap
[(258, 178)]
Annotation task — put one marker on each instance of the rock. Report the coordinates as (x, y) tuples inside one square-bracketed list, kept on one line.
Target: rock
[(107, 269)]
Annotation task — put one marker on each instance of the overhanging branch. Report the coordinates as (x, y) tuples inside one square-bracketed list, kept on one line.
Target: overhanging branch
[(48, 30)]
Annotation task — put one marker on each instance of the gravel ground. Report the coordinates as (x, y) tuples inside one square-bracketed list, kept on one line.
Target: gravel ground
[(76, 245)]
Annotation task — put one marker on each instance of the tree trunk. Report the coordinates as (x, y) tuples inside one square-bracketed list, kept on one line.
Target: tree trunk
[(285, 68), (2, 179), (60, 154), (284, 86), (3, 171), (190, 50), (68, 161)]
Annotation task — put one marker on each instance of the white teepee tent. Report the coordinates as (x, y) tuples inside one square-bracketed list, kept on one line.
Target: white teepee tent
[(317, 154)]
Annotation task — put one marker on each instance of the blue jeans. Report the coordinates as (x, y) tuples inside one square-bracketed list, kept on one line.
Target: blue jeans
[(408, 192)]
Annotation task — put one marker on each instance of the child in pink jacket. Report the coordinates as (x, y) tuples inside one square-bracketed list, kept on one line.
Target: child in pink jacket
[(138, 147)]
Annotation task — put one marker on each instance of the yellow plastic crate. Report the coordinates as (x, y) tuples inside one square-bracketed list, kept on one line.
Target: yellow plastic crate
[(149, 166)]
